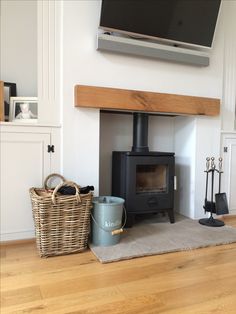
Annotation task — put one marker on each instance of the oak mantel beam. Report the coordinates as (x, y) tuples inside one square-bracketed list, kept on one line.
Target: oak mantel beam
[(134, 100)]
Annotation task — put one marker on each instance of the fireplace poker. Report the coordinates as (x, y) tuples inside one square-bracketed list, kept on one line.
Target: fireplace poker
[(207, 173)]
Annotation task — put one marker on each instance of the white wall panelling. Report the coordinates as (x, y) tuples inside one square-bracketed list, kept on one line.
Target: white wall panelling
[(228, 125), (18, 36), (49, 60), (229, 78)]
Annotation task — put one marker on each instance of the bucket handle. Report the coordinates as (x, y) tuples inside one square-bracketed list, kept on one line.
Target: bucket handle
[(113, 232)]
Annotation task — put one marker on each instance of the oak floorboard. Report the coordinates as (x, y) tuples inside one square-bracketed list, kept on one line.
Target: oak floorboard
[(195, 281)]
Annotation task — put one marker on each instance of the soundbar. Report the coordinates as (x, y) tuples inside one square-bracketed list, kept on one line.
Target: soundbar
[(138, 47)]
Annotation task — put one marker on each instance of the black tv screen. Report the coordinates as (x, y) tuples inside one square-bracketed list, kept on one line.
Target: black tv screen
[(181, 21)]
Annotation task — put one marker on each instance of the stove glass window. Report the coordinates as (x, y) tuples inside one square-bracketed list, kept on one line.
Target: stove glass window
[(151, 179)]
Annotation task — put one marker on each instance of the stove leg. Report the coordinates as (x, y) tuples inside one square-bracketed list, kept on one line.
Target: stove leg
[(171, 215), (130, 220)]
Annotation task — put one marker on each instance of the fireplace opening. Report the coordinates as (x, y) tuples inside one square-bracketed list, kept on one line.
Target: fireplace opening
[(145, 179)]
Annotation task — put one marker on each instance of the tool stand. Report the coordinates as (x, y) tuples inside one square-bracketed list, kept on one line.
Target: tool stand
[(210, 206)]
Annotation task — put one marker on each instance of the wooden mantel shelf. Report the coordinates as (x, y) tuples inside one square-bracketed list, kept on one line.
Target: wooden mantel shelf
[(134, 100)]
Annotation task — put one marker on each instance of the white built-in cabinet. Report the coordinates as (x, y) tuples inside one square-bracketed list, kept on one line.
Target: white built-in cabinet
[(229, 176), (26, 160)]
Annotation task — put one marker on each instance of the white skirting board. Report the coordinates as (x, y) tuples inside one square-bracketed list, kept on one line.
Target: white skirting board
[(19, 235)]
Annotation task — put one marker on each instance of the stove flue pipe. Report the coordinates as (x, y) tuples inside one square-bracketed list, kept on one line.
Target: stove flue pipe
[(140, 132)]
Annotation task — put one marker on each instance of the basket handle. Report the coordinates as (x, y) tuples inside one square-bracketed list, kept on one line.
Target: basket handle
[(67, 183), (51, 176)]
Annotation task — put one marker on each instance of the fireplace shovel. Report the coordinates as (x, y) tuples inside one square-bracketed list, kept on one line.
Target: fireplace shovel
[(221, 203)]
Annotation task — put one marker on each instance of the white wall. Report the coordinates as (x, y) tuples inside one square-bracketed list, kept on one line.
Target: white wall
[(81, 19), (19, 45), (83, 64), (195, 139), (207, 145), (185, 152)]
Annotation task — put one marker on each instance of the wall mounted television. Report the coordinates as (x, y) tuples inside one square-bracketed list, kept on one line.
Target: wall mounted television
[(189, 22)]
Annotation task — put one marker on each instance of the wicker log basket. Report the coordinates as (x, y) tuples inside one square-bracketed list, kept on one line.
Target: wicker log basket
[(62, 222)]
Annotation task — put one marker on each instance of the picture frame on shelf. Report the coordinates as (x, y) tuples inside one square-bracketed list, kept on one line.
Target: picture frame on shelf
[(9, 91), (1, 101), (24, 109)]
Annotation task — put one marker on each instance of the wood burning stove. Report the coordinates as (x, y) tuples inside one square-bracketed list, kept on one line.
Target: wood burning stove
[(144, 179)]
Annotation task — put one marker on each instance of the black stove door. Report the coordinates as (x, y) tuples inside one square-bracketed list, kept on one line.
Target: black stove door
[(149, 183)]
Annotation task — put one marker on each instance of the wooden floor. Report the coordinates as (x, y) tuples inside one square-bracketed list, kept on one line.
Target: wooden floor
[(190, 282)]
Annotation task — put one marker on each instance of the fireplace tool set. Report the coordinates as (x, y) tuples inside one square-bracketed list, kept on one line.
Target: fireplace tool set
[(220, 205)]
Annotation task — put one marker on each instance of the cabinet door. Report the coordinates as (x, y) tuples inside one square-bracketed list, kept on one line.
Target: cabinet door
[(25, 163), (230, 171)]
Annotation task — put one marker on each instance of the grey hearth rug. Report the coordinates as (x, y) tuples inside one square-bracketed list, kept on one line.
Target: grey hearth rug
[(155, 235)]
